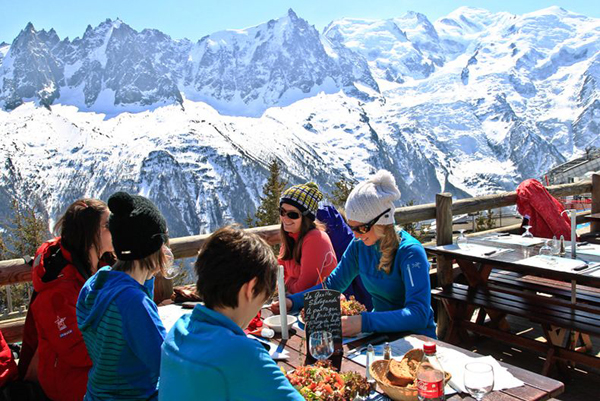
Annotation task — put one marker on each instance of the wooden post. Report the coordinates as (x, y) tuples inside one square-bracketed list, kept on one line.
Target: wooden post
[(595, 225), (443, 220)]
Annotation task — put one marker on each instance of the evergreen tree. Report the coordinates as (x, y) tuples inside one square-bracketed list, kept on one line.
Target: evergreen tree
[(490, 221), (340, 194), (480, 224), (268, 210), (27, 230), (3, 248)]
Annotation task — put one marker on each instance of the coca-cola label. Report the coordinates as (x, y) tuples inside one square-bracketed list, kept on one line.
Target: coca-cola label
[(430, 389)]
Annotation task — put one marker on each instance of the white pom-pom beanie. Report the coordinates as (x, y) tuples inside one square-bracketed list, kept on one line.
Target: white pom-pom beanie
[(372, 197)]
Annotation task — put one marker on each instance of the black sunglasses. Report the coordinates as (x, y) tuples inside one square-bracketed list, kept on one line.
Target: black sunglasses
[(364, 228), (290, 215)]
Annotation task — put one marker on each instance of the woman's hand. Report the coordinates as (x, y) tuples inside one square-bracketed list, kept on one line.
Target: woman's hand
[(351, 325), (275, 306)]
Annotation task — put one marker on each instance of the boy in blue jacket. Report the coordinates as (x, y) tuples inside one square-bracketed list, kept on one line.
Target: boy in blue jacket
[(207, 355)]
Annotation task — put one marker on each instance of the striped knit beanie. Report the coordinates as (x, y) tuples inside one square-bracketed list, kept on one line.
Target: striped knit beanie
[(305, 197)]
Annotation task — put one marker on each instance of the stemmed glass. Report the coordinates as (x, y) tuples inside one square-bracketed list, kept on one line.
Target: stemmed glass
[(171, 270), (321, 345), (462, 240), (546, 249), (527, 234), (479, 379)]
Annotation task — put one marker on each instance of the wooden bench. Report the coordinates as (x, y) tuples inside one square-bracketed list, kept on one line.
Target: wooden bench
[(556, 316), (554, 288)]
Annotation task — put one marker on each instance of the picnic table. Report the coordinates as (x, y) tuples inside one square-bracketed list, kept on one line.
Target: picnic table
[(536, 387), (504, 275)]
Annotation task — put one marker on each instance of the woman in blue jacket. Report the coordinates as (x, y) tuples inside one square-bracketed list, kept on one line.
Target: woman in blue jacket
[(115, 312), (392, 264), (206, 355)]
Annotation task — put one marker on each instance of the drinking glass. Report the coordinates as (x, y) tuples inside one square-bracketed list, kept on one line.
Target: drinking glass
[(546, 249), (555, 245), (462, 240), (321, 345), (527, 234), (479, 379), (171, 270)]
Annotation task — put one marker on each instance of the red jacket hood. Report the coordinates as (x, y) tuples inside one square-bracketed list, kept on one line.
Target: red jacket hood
[(43, 258)]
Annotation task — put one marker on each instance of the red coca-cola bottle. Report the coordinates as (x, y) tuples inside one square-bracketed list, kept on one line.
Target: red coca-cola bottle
[(430, 375)]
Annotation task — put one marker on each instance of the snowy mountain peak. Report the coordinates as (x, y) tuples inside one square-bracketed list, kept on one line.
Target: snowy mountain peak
[(472, 104)]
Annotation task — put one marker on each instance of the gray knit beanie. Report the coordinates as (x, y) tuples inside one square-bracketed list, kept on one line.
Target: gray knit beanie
[(372, 197)]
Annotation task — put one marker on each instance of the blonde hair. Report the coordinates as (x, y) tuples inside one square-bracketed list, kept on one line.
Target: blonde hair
[(388, 245)]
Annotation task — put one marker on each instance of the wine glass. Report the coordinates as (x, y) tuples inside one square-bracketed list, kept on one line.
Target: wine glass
[(462, 240), (171, 270), (527, 234), (321, 345), (546, 249), (479, 379)]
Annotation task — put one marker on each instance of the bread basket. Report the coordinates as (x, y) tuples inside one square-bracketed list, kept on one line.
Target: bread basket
[(379, 370)]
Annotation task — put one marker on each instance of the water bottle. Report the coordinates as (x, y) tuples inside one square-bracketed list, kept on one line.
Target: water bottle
[(370, 360), (430, 375)]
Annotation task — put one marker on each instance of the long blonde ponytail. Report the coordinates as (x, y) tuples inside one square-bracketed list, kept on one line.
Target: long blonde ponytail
[(388, 245)]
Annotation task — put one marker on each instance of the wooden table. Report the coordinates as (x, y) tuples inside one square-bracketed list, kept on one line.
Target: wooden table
[(562, 319), (536, 387), (593, 217)]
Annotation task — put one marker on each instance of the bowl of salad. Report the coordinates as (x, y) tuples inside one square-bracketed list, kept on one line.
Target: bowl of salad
[(322, 382)]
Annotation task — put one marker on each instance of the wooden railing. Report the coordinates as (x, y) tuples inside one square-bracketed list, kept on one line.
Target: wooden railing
[(18, 271)]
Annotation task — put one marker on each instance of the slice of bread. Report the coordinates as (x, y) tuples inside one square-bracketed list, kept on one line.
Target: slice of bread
[(403, 372)]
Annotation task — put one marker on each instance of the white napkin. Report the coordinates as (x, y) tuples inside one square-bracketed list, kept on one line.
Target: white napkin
[(503, 379), (476, 250), (589, 249), (553, 262), (170, 314), (517, 240)]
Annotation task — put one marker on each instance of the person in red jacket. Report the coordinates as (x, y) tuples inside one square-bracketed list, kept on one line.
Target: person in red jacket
[(8, 367), (306, 253), (60, 268)]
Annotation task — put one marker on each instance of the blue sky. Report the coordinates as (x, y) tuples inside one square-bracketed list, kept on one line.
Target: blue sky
[(193, 19)]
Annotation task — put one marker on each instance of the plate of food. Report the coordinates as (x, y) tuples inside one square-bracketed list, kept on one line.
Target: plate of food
[(322, 382), (348, 307)]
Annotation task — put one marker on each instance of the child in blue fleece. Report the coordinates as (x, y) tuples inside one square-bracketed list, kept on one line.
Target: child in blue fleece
[(206, 355), (392, 265), (115, 312)]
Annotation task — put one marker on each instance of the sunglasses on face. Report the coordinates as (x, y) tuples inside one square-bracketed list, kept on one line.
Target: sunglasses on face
[(364, 228), (290, 215)]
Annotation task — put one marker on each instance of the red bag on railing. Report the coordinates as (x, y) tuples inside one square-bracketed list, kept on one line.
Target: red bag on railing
[(543, 209)]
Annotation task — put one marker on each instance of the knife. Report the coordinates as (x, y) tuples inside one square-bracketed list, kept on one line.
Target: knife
[(375, 341)]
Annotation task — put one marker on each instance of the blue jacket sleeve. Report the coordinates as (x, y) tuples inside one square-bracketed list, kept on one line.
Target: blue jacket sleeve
[(266, 381), (142, 329), (339, 279), (415, 316)]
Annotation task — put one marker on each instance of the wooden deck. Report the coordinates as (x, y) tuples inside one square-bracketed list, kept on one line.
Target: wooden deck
[(582, 383)]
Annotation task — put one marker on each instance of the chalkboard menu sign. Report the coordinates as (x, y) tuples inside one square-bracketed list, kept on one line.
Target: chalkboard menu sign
[(322, 312)]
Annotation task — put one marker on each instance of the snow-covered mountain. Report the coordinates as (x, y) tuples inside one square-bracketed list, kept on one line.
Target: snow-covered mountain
[(471, 104)]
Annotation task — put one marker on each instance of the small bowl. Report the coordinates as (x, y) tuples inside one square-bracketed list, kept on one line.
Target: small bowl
[(274, 322)]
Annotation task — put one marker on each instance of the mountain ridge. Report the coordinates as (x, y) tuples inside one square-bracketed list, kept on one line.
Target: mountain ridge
[(471, 103)]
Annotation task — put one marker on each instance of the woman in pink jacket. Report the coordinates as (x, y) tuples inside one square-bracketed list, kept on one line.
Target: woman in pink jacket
[(306, 251)]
